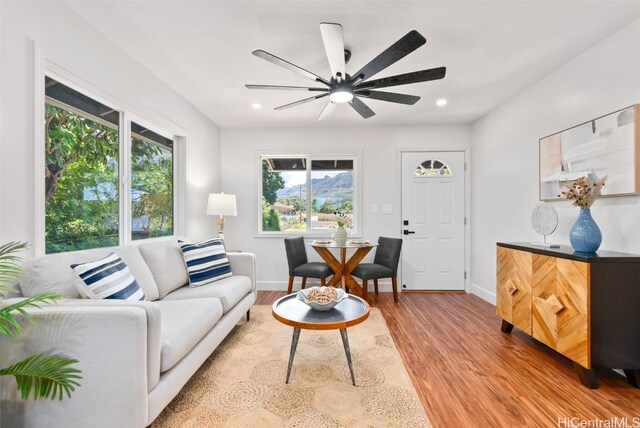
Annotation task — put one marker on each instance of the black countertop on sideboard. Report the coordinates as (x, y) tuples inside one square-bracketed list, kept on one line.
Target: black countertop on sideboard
[(567, 252)]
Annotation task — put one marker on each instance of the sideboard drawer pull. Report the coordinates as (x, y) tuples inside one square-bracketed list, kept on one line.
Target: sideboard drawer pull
[(554, 303)]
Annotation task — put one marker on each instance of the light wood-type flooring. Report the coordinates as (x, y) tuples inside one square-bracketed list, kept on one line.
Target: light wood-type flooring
[(470, 374)]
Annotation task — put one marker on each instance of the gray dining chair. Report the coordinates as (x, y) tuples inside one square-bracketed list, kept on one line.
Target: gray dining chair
[(300, 266), (385, 265)]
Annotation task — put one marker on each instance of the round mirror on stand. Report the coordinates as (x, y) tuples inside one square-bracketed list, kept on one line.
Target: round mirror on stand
[(544, 220)]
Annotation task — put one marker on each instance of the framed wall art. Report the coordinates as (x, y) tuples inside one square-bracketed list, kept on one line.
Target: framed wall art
[(608, 145)]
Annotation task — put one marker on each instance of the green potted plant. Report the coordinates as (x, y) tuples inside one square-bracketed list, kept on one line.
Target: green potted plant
[(40, 375)]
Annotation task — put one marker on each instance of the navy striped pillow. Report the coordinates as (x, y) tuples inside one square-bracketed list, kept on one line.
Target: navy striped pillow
[(206, 261), (107, 278)]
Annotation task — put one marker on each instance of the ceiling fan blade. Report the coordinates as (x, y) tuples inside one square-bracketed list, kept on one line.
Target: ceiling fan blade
[(334, 46), (289, 66), (327, 110), (389, 96), (403, 47), (404, 79), (361, 108), (291, 88), (297, 103)]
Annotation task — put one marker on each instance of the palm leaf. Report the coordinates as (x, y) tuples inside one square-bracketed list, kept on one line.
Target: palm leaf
[(10, 268), (46, 376), (9, 325)]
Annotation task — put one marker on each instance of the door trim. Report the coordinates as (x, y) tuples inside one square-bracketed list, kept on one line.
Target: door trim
[(467, 205)]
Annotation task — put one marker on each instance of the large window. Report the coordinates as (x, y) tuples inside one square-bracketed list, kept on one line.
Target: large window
[(304, 193), (85, 185), (151, 184)]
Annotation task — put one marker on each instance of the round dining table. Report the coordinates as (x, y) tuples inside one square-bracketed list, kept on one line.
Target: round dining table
[(343, 266)]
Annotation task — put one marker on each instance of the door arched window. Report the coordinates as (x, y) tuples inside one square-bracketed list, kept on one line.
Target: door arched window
[(433, 168)]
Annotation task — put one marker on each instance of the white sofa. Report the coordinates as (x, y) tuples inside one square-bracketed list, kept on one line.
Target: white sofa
[(134, 356)]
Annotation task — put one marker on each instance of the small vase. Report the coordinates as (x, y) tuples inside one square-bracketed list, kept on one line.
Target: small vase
[(341, 236), (585, 234)]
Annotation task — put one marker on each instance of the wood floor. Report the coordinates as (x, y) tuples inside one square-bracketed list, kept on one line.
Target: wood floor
[(470, 374)]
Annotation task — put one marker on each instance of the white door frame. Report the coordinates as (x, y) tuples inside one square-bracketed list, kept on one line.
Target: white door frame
[(467, 205)]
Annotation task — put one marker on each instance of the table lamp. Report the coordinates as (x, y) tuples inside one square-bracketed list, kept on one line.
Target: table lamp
[(221, 204)]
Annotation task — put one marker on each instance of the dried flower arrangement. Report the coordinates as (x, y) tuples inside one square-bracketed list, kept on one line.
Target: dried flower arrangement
[(341, 218), (583, 192)]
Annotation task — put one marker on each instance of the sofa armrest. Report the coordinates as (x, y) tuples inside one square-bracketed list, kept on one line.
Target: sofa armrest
[(152, 313), (110, 342), (244, 264)]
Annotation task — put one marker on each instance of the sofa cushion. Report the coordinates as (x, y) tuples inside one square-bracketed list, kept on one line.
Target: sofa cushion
[(182, 324), (53, 272), (206, 261), (166, 263), (107, 278), (229, 290)]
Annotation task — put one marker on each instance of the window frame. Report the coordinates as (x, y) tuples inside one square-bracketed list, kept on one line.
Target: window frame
[(128, 113), (355, 156)]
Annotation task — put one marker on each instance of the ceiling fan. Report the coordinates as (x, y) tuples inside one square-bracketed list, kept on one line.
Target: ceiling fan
[(342, 87)]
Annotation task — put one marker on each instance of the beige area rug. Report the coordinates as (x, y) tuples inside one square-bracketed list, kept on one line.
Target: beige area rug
[(242, 383)]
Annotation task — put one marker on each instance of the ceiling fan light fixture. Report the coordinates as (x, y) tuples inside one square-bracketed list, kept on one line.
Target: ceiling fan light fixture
[(342, 87), (342, 95)]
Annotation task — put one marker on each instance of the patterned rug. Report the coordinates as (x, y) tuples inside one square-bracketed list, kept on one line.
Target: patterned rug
[(242, 383)]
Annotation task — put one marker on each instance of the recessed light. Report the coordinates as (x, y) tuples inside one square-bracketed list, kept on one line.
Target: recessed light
[(256, 106), (441, 102)]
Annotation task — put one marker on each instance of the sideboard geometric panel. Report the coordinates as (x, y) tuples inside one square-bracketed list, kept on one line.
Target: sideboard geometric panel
[(584, 306)]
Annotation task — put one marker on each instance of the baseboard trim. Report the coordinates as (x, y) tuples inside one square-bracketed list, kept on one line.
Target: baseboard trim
[(383, 286), (271, 285), (483, 293)]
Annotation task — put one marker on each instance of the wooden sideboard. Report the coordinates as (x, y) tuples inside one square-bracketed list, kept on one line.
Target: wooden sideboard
[(584, 306)]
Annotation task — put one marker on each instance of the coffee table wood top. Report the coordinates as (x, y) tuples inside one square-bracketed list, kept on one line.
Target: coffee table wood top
[(291, 311)]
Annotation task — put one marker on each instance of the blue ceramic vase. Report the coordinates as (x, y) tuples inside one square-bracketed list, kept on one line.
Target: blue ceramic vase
[(585, 235)]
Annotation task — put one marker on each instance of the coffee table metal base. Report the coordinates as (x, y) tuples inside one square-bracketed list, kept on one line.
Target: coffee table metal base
[(345, 343)]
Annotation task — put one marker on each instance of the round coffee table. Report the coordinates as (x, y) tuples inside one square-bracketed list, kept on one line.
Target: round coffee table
[(349, 312)]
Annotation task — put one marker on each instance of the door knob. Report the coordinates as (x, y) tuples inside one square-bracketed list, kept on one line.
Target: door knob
[(406, 232)]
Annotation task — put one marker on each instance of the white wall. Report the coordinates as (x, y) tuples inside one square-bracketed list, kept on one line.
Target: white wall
[(504, 154), (73, 44), (379, 147)]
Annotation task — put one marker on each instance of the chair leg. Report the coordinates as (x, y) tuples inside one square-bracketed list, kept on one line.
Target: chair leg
[(394, 285), (364, 289), (290, 287), (249, 315), (304, 282), (375, 285), (323, 281)]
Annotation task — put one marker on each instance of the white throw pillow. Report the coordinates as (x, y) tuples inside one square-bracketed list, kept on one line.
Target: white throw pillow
[(107, 278), (166, 263), (206, 261)]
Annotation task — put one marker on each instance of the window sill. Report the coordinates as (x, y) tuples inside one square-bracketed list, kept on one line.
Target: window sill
[(305, 235)]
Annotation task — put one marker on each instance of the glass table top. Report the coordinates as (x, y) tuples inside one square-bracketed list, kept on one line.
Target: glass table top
[(349, 244)]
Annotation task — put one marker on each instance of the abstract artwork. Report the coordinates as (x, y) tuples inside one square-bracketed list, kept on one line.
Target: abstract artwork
[(604, 146)]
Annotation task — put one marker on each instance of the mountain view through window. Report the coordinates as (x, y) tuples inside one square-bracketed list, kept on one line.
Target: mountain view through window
[(289, 197)]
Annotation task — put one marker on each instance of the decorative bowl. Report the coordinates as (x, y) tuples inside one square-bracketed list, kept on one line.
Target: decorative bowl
[(317, 306)]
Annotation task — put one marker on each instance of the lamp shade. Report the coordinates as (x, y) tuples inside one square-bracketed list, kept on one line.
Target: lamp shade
[(221, 204)]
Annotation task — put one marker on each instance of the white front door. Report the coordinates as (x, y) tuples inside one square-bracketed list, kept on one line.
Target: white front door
[(433, 221)]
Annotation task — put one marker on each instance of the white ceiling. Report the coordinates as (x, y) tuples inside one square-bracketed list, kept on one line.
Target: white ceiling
[(492, 50)]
